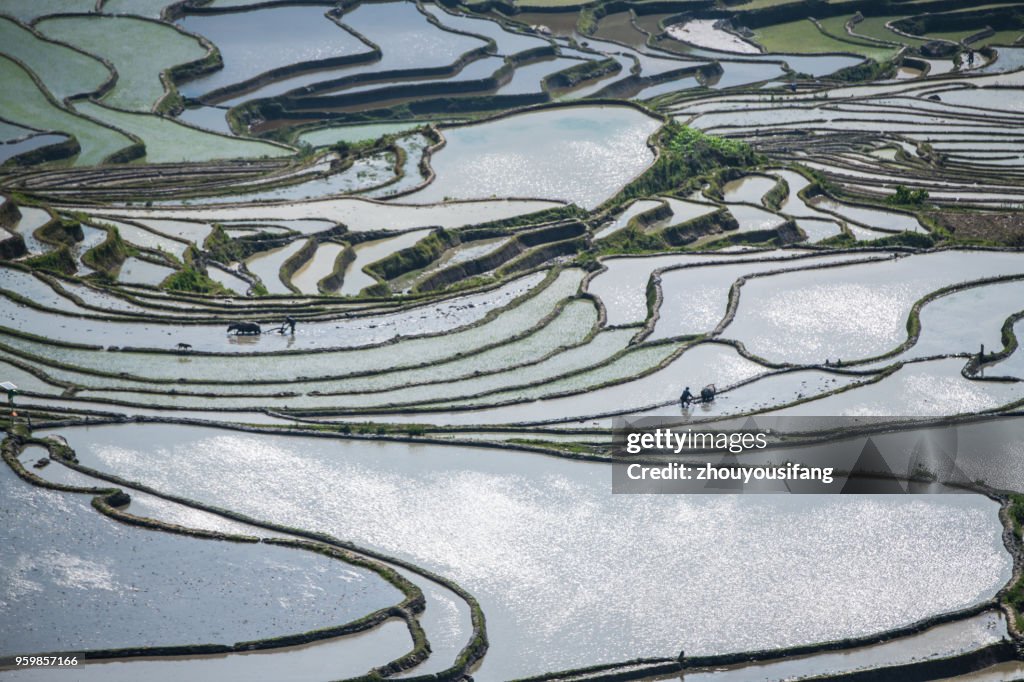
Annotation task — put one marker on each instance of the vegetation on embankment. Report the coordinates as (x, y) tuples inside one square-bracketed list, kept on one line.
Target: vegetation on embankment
[(685, 154), (63, 230), (194, 281), (58, 260), (419, 255), (108, 255), (1013, 596)]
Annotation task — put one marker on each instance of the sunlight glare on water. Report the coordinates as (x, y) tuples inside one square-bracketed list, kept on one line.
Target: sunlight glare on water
[(505, 527)]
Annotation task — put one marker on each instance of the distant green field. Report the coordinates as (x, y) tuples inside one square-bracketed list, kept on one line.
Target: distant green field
[(802, 36), (64, 71), (140, 50), (24, 103), (836, 27), (168, 141), (998, 38), (874, 27)]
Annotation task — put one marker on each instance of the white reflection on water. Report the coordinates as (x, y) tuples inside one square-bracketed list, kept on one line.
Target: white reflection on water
[(577, 154), (568, 574), (72, 579)]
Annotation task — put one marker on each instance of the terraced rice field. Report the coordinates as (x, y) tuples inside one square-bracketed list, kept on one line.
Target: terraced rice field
[(324, 322)]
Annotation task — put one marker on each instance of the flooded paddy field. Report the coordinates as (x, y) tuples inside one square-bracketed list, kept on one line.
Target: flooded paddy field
[(539, 484), (100, 566), (388, 277)]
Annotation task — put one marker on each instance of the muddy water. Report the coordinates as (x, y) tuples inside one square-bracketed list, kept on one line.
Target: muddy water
[(748, 189), (267, 265), (317, 267), (370, 252)]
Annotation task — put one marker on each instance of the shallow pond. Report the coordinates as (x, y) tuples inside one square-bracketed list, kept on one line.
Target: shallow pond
[(357, 214), (227, 279), (208, 118), (409, 352), (703, 33), (748, 189), (316, 268), (189, 231), (938, 553), (751, 218), (682, 211), (922, 389), (138, 271), (582, 154), (353, 133), (508, 42), (370, 252), (93, 236), (340, 658), (31, 219), (851, 312), (66, 565), (407, 39), (816, 229), (267, 265), (253, 42), (963, 321), (413, 147), (443, 316), (139, 86), (623, 285), (745, 73), (613, 388), (941, 641), (634, 209), (527, 78), (695, 299), (363, 174), (11, 149), (499, 368), (446, 617), (146, 239)]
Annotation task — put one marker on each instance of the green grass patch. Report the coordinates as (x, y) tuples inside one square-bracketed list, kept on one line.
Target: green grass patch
[(1014, 595), (107, 256), (875, 27), (802, 36), (59, 260), (193, 281), (61, 231), (904, 196)]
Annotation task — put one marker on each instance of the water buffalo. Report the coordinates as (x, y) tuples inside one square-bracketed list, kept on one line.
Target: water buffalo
[(707, 394), (244, 328)]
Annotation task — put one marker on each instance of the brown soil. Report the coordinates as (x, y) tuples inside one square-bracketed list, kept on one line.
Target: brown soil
[(1002, 227)]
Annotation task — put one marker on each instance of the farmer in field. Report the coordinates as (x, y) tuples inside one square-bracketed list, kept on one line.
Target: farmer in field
[(289, 324), (686, 398)]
